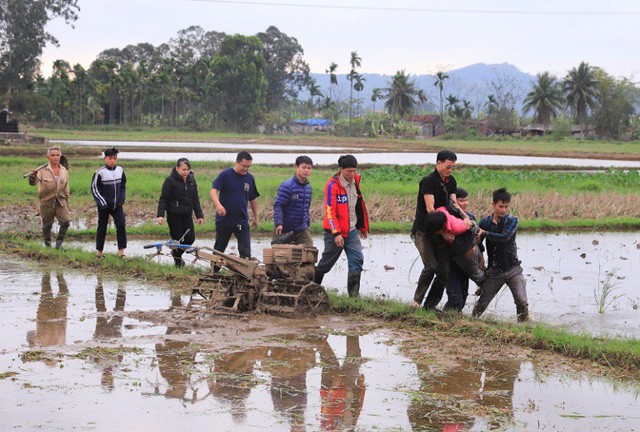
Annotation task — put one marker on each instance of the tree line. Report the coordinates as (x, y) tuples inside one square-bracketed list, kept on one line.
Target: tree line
[(208, 80)]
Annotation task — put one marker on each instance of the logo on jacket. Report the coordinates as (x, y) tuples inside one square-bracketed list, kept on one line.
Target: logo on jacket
[(246, 187), (342, 199), (295, 197)]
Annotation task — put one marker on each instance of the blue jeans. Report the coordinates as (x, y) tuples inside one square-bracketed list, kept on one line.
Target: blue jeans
[(331, 253), (242, 233)]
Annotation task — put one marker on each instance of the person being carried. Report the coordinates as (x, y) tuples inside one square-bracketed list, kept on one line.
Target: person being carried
[(435, 190), (291, 206), (458, 283), (179, 199), (232, 192), (53, 196), (504, 267), (109, 189), (345, 223)]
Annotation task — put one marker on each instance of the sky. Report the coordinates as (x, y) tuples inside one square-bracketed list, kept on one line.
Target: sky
[(419, 36)]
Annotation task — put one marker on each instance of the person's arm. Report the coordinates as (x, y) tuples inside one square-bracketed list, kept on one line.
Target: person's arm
[(330, 206), (123, 189), (220, 210), (197, 208), (96, 191), (254, 210), (508, 230), (282, 200), (163, 201), (429, 202)]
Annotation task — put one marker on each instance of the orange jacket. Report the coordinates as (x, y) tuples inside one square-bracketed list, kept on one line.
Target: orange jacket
[(336, 208)]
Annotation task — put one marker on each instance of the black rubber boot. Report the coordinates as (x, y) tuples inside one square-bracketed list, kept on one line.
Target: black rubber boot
[(523, 314), (317, 277), (62, 232), (46, 234), (353, 284)]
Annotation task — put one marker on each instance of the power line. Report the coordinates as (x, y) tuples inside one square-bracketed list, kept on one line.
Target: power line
[(428, 10)]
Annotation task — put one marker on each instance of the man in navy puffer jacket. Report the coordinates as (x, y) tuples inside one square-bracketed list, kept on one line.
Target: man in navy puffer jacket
[(291, 206)]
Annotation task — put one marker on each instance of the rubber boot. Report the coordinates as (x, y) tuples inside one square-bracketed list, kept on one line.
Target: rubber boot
[(46, 234), (317, 277), (353, 284), (178, 262), (523, 314), (62, 232)]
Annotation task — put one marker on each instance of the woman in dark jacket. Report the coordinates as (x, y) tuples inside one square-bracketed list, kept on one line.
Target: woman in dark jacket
[(179, 199)]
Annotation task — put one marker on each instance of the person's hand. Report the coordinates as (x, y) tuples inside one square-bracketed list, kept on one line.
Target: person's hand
[(200, 221), (448, 237), (363, 234), (468, 222), (254, 221), (160, 220), (480, 235), (220, 210), (279, 230), (339, 240)]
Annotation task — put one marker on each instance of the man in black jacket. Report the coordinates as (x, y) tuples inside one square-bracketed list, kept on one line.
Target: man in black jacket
[(109, 189), (504, 267)]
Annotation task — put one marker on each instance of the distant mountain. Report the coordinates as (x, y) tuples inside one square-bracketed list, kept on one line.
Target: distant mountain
[(474, 83)]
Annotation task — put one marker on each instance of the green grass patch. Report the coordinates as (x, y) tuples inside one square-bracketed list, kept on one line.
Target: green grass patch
[(622, 353)]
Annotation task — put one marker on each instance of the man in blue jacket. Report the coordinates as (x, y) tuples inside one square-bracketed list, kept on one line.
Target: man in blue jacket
[(291, 206)]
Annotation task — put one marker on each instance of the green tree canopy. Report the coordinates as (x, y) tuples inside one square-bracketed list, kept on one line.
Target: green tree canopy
[(545, 98), (400, 95), (23, 37)]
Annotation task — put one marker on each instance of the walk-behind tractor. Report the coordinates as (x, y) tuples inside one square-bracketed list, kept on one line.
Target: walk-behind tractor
[(281, 284)]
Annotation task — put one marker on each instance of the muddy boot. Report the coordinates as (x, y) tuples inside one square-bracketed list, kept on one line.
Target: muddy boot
[(178, 262), (317, 278), (62, 232), (353, 284), (46, 234), (522, 314)]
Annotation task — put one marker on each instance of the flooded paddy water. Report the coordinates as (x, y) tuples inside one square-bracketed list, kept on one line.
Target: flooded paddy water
[(83, 352), (564, 272)]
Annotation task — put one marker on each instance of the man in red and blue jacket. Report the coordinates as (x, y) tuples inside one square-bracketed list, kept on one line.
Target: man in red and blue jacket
[(345, 223)]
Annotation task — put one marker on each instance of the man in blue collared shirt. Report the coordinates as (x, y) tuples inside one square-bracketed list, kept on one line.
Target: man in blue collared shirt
[(504, 267)]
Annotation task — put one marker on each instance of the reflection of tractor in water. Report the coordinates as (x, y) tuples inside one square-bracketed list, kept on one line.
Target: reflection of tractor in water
[(282, 284)]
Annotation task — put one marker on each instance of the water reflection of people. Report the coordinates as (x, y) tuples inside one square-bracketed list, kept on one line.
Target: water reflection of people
[(488, 385), (175, 358), (108, 326), (343, 387), (51, 317)]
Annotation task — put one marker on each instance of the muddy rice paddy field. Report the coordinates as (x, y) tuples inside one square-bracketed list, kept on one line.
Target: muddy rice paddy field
[(83, 352)]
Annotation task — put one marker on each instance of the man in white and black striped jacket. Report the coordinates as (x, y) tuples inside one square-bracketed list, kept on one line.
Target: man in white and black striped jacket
[(109, 186)]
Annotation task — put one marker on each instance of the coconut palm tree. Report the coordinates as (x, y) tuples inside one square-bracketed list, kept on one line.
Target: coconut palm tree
[(452, 103), (491, 104), (333, 79), (545, 98), (581, 91), (441, 76), (400, 95), (376, 95), (355, 62), (422, 97)]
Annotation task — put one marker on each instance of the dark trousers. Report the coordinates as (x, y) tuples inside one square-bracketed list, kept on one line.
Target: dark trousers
[(118, 220), (495, 280), (457, 288), (178, 225), (436, 257), (242, 233)]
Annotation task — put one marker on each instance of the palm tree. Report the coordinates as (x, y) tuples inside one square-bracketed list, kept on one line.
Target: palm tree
[(314, 91), (581, 91), (545, 98), (491, 104), (400, 95), (439, 82), (422, 97), (333, 79), (376, 95), (359, 85), (452, 103), (355, 62), (466, 108)]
